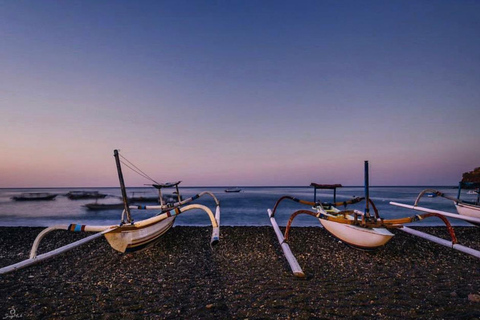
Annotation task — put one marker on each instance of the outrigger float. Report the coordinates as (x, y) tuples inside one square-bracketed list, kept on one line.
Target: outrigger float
[(129, 236), (355, 228)]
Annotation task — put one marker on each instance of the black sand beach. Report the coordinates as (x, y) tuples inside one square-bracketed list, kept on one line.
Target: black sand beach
[(245, 276)]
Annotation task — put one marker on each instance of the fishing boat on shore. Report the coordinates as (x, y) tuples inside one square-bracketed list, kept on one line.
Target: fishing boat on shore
[(129, 236), (35, 196), (355, 228)]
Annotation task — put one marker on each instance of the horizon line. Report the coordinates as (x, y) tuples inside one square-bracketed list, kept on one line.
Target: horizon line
[(239, 186)]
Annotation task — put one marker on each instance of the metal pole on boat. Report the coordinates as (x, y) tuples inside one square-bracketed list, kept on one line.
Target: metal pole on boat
[(367, 192), (178, 193), (459, 190), (122, 186)]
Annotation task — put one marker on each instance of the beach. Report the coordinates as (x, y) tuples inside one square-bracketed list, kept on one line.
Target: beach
[(244, 276)]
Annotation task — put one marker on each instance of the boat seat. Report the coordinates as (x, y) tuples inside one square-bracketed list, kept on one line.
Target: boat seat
[(327, 206)]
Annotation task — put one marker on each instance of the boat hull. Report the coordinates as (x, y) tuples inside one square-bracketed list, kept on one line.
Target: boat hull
[(132, 239), (34, 197), (468, 210), (365, 238)]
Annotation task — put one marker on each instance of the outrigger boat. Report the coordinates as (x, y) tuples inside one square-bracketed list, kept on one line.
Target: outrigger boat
[(129, 236), (353, 227), (464, 208), (35, 196), (81, 195), (467, 211)]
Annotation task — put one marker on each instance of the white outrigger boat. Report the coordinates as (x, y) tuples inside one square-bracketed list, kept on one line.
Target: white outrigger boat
[(128, 236), (468, 208), (465, 209), (356, 228)]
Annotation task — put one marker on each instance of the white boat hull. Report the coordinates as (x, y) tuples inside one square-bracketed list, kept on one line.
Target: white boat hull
[(468, 210), (367, 238), (138, 238)]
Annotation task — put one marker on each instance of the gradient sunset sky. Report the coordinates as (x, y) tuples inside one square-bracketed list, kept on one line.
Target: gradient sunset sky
[(239, 92)]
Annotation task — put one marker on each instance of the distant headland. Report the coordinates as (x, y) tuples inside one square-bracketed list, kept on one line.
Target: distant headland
[(472, 176)]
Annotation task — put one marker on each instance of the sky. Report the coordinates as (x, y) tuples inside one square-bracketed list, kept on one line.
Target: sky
[(239, 93)]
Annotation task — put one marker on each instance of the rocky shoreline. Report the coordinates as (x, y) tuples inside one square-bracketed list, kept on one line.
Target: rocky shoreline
[(244, 276)]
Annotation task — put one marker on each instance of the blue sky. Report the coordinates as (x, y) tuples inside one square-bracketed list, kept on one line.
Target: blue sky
[(239, 92)]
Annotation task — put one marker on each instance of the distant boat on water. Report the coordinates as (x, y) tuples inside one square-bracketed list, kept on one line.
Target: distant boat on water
[(104, 206), (233, 189), (79, 195), (34, 196)]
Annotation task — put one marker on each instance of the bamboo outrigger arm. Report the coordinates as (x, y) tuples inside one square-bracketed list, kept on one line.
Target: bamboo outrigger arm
[(442, 242), (71, 227), (442, 213), (436, 192), (351, 201), (296, 213), (308, 203), (214, 219), (35, 259)]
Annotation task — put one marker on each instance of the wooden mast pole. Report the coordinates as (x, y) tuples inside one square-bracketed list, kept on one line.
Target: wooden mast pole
[(122, 186), (367, 192)]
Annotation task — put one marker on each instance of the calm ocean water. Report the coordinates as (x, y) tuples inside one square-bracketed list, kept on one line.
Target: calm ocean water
[(247, 208)]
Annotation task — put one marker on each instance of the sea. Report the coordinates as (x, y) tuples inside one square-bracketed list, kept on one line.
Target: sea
[(245, 208)]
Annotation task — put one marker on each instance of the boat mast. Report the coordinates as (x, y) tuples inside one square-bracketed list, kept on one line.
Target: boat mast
[(122, 186), (367, 193)]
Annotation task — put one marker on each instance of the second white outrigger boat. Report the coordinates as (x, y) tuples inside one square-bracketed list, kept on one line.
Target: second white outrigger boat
[(353, 227), (464, 208), (129, 236), (467, 210)]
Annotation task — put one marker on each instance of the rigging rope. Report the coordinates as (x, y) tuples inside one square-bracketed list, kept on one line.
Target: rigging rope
[(136, 170)]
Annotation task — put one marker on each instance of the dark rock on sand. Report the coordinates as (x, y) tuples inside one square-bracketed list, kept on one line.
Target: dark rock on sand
[(245, 276)]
